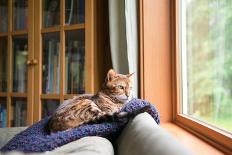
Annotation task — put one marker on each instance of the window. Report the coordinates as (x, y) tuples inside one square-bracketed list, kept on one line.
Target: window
[(206, 43), (206, 54), (161, 81), (202, 56)]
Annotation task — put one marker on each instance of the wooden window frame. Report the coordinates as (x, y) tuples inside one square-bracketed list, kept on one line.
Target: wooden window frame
[(160, 70), (218, 138)]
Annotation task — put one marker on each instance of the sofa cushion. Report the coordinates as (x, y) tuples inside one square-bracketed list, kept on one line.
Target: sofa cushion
[(87, 146), (142, 136), (7, 133)]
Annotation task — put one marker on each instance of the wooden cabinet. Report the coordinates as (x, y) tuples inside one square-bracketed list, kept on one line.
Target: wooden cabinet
[(46, 56)]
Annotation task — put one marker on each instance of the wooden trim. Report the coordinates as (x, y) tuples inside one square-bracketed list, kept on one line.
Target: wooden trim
[(37, 56), (51, 29), (30, 68), (74, 27), (216, 137), (155, 56), (141, 54), (89, 45), (10, 62), (3, 94), (62, 51), (50, 96), (175, 57), (3, 34), (190, 141), (20, 95), (21, 32)]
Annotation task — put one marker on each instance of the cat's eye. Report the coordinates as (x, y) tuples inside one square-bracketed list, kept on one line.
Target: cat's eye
[(120, 87)]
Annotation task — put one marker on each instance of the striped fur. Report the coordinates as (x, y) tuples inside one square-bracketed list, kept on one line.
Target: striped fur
[(105, 105)]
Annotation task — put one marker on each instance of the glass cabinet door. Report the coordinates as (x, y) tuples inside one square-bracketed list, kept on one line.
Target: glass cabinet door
[(3, 62), (14, 56), (51, 63), (74, 12), (20, 53), (75, 62), (51, 13), (3, 112), (20, 14), (19, 112), (49, 106), (3, 15), (43, 56), (20, 56)]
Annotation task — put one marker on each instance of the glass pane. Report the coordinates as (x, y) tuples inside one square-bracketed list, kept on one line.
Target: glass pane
[(3, 15), (20, 14), (19, 112), (74, 11), (20, 53), (207, 61), (3, 64), (75, 62), (48, 107), (51, 13), (3, 113), (51, 63)]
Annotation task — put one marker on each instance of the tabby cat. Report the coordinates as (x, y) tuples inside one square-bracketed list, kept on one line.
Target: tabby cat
[(115, 92)]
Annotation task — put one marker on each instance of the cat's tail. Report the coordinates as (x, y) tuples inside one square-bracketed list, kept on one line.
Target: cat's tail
[(117, 116)]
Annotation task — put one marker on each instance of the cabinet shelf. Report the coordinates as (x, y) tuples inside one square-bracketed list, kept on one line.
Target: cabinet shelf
[(50, 96), (21, 95), (3, 34), (19, 32), (3, 94), (74, 27)]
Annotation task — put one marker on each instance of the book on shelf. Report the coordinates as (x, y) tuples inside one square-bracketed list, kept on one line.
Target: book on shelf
[(81, 11), (53, 71), (75, 11), (20, 113), (20, 73), (69, 15), (49, 107), (51, 13), (21, 14), (3, 15), (75, 67), (3, 115), (3, 66)]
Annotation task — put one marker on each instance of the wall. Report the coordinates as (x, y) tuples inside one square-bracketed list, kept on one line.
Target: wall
[(155, 56), (102, 55)]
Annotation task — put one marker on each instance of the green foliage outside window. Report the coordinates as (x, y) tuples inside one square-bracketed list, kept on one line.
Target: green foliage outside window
[(209, 61)]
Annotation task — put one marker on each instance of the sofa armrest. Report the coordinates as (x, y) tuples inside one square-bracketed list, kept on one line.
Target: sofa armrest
[(7, 133), (142, 136)]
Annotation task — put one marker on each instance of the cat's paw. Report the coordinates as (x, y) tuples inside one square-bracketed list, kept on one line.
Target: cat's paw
[(95, 110)]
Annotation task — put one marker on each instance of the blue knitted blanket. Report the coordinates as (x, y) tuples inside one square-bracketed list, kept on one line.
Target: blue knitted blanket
[(37, 138)]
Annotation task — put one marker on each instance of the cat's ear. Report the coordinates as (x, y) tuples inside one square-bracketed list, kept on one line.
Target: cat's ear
[(129, 75), (111, 74)]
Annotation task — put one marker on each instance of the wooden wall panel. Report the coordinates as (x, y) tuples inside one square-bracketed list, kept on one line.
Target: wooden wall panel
[(102, 55), (155, 55)]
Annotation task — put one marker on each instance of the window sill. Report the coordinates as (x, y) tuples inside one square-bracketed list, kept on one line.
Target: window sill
[(195, 144)]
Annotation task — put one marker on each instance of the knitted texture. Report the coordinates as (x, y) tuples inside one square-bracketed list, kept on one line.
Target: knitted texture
[(37, 138)]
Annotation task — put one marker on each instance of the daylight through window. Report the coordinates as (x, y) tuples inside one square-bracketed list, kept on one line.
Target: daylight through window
[(206, 50)]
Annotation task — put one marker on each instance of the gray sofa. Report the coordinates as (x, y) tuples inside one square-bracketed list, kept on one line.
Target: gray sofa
[(141, 136)]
